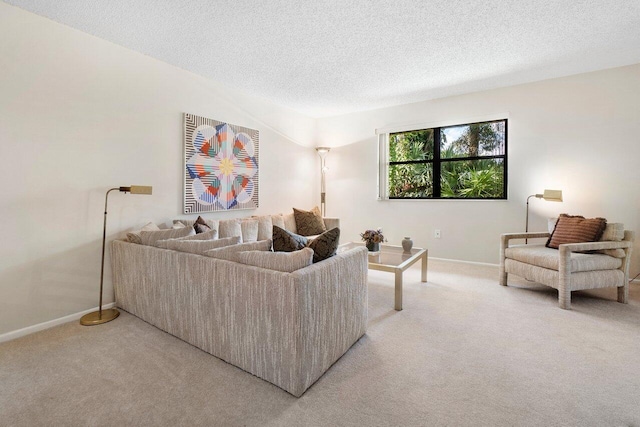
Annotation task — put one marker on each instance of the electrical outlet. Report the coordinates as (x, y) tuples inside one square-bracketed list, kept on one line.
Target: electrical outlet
[(436, 234)]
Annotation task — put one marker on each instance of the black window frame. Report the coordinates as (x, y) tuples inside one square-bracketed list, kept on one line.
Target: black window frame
[(437, 162)]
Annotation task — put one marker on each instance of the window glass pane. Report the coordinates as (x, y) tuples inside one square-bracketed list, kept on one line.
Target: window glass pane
[(472, 178), (414, 145), (411, 180), (476, 139)]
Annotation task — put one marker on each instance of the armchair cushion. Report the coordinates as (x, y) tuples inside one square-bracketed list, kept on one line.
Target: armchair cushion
[(542, 256)]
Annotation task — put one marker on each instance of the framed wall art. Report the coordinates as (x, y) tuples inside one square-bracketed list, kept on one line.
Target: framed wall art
[(221, 163)]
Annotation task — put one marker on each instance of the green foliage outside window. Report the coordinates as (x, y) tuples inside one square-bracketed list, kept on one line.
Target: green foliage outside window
[(469, 159)]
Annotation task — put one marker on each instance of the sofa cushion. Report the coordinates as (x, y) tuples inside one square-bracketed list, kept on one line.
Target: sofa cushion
[(278, 220), (229, 228), (134, 236), (576, 229), (207, 235), (287, 241), (290, 222), (265, 227), (249, 228), (325, 245), (309, 223), (279, 261), (549, 258), (197, 246), (230, 253), (151, 238)]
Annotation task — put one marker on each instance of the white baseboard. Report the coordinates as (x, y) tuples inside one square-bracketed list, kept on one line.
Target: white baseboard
[(50, 324), (465, 262)]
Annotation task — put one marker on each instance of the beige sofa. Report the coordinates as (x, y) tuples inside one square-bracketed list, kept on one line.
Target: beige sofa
[(569, 268), (286, 328)]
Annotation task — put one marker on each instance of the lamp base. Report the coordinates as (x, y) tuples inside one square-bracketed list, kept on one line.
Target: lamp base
[(95, 318)]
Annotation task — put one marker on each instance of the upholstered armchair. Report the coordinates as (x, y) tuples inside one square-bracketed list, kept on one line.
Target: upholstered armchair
[(571, 267)]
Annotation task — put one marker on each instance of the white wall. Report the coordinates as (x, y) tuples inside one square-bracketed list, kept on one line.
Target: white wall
[(580, 134), (79, 115)]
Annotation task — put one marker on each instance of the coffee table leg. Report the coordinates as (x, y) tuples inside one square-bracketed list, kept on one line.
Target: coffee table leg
[(398, 302), (425, 260)]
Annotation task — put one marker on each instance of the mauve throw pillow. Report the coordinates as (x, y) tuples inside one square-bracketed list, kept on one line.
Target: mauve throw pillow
[(286, 241), (325, 245), (309, 223), (576, 229)]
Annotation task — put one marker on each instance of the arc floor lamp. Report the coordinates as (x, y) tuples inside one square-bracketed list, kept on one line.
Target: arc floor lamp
[(548, 195), (322, 152), (104, 316)]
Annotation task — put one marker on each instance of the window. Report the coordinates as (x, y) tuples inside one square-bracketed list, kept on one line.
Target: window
[(467, 161)]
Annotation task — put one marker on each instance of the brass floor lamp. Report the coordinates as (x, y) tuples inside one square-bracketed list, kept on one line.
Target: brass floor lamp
[(104, 316), (322, 152)]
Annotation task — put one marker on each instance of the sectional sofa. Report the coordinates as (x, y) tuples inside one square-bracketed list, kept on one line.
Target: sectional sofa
[(287, 328)]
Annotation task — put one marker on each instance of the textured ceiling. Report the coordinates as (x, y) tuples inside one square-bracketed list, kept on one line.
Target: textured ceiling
[(329, 57)]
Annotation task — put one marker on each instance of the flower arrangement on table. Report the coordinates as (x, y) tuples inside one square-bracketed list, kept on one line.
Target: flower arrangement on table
[(373, 238)]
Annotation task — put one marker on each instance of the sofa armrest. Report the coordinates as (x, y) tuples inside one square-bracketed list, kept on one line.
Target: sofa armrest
[(330, 223)]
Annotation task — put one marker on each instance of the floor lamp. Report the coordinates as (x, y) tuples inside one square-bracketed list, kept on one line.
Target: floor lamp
[(322, 152), (548, 195), (104, 316)]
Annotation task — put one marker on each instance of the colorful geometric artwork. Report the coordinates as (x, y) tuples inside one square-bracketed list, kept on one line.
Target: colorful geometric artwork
[(221, 166)]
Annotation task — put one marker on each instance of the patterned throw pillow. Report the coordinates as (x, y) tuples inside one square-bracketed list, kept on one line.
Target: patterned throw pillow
[(325, 245), (152, 237), (279, 261), (309, 223), (576, 229), (134, 236), (201, 226), (197, 246), (230, 253), (286, 241)]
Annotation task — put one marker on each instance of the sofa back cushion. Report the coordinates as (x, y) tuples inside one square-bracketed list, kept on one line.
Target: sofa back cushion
[(249, 229), (265, 226), (279, 261), (197, 246), (134, 236), (576, 229), (151, 238), (230, 253), (290, 222)]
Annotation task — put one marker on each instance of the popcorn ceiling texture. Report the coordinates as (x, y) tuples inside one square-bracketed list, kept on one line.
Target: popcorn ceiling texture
[(330, 57)]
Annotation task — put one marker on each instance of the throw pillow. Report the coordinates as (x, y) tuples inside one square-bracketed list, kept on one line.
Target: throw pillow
[(178, 225), (279, 261), (197, 246), (325, 245), (134, 236), (201, 226), (249, 229), (211, 223), (286, 241), (229, 228), (152, 237), (230, 253), (576, 229), (309, 223)]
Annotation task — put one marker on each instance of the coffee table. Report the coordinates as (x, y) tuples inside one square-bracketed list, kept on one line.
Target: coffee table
[(394, 260)]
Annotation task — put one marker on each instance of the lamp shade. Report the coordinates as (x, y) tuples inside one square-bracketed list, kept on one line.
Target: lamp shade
[(552, 195)]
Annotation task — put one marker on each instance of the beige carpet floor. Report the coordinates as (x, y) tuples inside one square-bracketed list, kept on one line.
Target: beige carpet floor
[(464, 351)]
